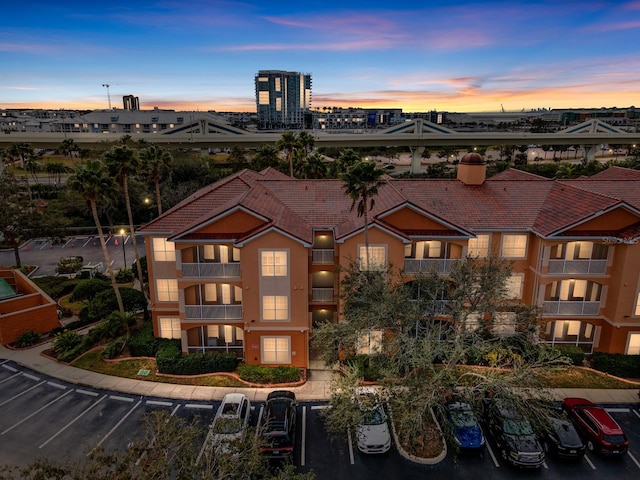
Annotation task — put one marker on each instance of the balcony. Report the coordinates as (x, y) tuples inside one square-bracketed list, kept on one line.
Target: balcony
[(211, 269), (568, 307), (213, 312), (441, 265), (323, 295), (322, 255), (577, 267)]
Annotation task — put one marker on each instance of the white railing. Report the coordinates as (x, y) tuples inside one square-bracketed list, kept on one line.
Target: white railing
[(322, 295), (219, 270), (441, 265), (577, 266), (322, 255), (213, 312), (566, 307)]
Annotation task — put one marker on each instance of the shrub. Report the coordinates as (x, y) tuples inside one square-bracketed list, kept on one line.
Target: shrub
[(105, 302), (124, 275), (88, 289), (573, 352), (66, 341), (76, 324), (27, 339), (367, 366), (114, 347), (55, 287), (626, 366), (169, 359), (268, 375), (143, 343)]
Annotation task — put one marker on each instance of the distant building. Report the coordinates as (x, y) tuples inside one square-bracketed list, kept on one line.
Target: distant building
[(131, 103), (283, 99), (355, 118)]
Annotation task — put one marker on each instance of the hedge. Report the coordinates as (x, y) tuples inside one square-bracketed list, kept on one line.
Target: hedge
[(626, 366), (169, 359), (268, 375), (573, 352)]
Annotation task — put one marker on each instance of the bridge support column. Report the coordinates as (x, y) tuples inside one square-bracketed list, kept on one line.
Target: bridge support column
[(416, 158), (589, 152)]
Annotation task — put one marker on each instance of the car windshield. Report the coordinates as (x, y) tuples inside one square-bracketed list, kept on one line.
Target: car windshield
[(373, 417), (615, 439), (227, 425), (463, 418), (517, 427)]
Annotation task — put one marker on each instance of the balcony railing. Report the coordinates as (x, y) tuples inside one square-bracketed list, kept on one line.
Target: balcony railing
[(322, 255), (567, 307), (218, 270), (441, 265), (238, 350), (322, 295), (578, 267), (213, 312)]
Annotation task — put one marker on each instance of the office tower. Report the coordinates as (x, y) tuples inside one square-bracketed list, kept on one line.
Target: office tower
[(283, 99), (131, 103)]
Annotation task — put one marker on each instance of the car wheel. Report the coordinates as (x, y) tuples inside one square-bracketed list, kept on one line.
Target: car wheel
[(590, 446)]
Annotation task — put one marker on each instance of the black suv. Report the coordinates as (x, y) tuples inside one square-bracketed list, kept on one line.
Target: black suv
[(514, 436), (278, 428)]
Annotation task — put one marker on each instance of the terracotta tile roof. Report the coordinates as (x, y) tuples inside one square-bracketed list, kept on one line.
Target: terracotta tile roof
[(510, 201)]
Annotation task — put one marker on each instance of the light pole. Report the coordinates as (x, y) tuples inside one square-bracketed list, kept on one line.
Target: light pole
[(124, 254)]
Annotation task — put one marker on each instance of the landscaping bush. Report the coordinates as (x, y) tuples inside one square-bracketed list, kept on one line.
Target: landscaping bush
[(144, 344), (69, 355), (626, 366), (55, 287), (105, 302), (114, 347), (88, 289), (66, 341), (75, 325), (366, 365), (573, 352), (124, 275), (268, 375), (169, 359), (27, 339)]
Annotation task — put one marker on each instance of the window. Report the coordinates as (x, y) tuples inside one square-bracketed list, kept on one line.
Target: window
[(275, 307), (637, 309), (514, 246), (479, 246), (276, 349), (503, 324), (273, 263), (263, 98), (377, 257), (163, 251), (167, 289), (169, 327), (513, 285), (369, 342), (634, 344)]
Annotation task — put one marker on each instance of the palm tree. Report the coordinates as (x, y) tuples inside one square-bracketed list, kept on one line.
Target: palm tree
[(157, 163), (123, 161), (361, 183), (306, 141), (266, 156), (20, 151), (94, 183), (288, 143), (68, 146), (313, 166)]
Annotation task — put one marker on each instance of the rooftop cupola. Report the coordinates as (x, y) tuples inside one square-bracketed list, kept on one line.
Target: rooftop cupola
[(472, 169)]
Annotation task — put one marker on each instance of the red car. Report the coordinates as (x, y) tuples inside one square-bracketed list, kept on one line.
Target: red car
[(599, 430)]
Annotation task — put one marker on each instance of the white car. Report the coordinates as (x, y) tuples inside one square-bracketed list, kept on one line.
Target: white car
[(231, 420), (372, 432)]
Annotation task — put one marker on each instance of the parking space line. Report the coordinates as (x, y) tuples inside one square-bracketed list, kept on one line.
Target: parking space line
[(636, 413), (3, 363), (303, 444), (115, 427), (22, 393), (57, 385), (37, 411), (31, 377), (9, 367), (319, 407), (12, 376), (492, 455), (122, 399), (593, 467), (159, 403), (73, 421), (633, 458), (351, 459), (87, 392), (617, 410), (197, 405)]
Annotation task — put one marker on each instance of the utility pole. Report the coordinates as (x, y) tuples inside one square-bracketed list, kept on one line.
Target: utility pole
[(108, 95)]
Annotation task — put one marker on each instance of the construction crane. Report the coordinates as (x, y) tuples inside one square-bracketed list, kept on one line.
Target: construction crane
[(108, 95), (501, 107)]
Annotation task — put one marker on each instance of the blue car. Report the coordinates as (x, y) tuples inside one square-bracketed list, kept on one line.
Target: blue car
[(466, 430)]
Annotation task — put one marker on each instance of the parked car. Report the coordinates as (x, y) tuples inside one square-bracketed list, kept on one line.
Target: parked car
[(561, 439), (466, 431), (599, 430), (278, 426), (514, 436), (231, 420), (372, 431)]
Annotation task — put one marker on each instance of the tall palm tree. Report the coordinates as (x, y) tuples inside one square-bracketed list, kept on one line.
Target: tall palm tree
[(68, 146), (266, 156), (306, 141), (20, 151), (123, 161), (157, 163), (288, 143), (93, 182), (313, 166), (361, 183)]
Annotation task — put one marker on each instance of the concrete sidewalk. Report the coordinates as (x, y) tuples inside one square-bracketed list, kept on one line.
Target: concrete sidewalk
[(316, 388)]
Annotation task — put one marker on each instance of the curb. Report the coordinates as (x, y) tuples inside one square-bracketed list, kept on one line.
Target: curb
[(421, 460)]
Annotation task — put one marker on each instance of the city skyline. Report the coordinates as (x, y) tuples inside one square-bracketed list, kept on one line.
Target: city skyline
[(203, 55)]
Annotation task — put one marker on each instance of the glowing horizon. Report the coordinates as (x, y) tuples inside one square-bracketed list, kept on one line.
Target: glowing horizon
[(455, 56)]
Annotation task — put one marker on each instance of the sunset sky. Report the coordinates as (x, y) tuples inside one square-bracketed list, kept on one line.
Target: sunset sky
[(202, 55)]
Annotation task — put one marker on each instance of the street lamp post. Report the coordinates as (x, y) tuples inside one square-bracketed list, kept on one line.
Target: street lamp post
[(124, 253)]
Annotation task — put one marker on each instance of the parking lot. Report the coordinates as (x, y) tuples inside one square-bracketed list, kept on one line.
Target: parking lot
[(43, 417)]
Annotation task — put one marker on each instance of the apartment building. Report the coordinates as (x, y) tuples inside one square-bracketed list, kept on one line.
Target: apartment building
[(283, 99), (249, 263)]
